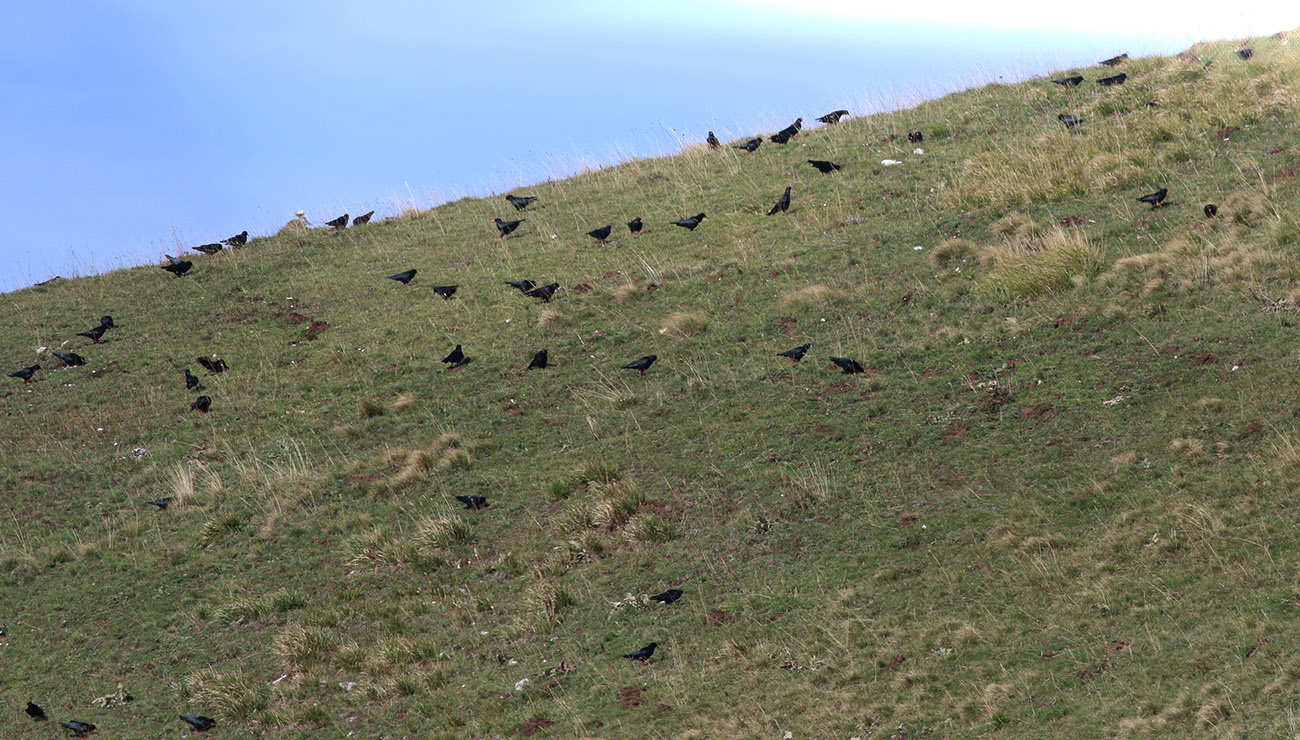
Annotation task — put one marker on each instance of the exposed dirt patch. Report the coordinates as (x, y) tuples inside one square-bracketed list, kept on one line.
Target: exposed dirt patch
[(895, 662), (1205, 359), (1227, 131), (629, 696), (534, 726), (1038, 411), (581, 288), (717, 618), (315, 330), (1069, 221)]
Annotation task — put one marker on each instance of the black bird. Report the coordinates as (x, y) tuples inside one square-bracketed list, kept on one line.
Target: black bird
[(445, 291), (544, 292), (1156, 198), (1116, 80), (96, 334), (690, 222), (161, 503), (795, 354), (669, 596), (199, 722), (1069, 81), (833, 116), (201, 404), (713, 141), (539, 361), (177, 267), (643, 654), (1069, 120), (1114, 61), (473, 501), (238, 240), (783, 204), (209, 249), (80, 729), (191, 382), (602, 234), (523, 285), (70, 359), (1211, 210), (634, 225), (213, 366), (787, 133), (363, 218), (35, 712), (26, 373), (505, 227), (455, 358), (849, 367), (520, 202), (824, 167), (107, 322), (642, 364), (916, 137), (339, 223), (404, 277), (1245, 53), (748, 146)]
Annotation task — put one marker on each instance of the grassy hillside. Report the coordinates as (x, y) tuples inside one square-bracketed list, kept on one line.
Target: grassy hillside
[(1060, 502)]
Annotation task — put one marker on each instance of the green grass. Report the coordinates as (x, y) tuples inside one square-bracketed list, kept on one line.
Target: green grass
[(1059, 503)]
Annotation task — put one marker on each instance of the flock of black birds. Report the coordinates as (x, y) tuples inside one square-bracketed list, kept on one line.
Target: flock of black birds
[(541, 360)]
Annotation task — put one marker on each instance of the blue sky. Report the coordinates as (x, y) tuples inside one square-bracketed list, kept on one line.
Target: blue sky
[(135, 128)]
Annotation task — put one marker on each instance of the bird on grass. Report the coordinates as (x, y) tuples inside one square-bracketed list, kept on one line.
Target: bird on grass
[(1116, 80), (161, 503), (713, 141), (238, 240), (916, 137), (505, 227), (823, 166), (833, 116), (543, 293), (26, 373), (539, 361), (35, 712), (602, 234), (363, 218), (795, 354), (445, 291), (405, 277), (191, 382), (1211, 210), (520, 202), (1245, 53), (1156, 198), (748, 146), (339, 223), (96, 334), (522, 285), (668, 597), (690, 222), (201, 404), (209, 249), (787, 133), (850, 367), (1114, 61), (455, 358), (70, 359), (213, 366), (176, 266), (1069, 120), (79, 729), (642, 655), (634, 225), (641, 364), (473, 501), (783, 204), (107, 322), (199, 722), (1069, 81)]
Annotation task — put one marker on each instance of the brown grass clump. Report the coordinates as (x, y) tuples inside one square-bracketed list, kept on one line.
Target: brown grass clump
[(809, 297), (684, 324), (954, 250), (228, 693), (1016, 227), (627, 292), (1059, 260)]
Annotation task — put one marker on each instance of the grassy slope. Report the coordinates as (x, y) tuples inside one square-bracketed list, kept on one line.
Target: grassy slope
[(969, 540)]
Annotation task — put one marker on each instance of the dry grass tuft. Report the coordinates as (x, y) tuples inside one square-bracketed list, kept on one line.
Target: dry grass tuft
[(954, 250), (809, 297), (1059, 260), (684, 324), (1016, 227), (231, 694), (628, 292)]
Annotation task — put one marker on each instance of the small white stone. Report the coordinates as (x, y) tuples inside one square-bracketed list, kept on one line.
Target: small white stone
[(918, 150), (890, 162), (521, 683), (918, 248)]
